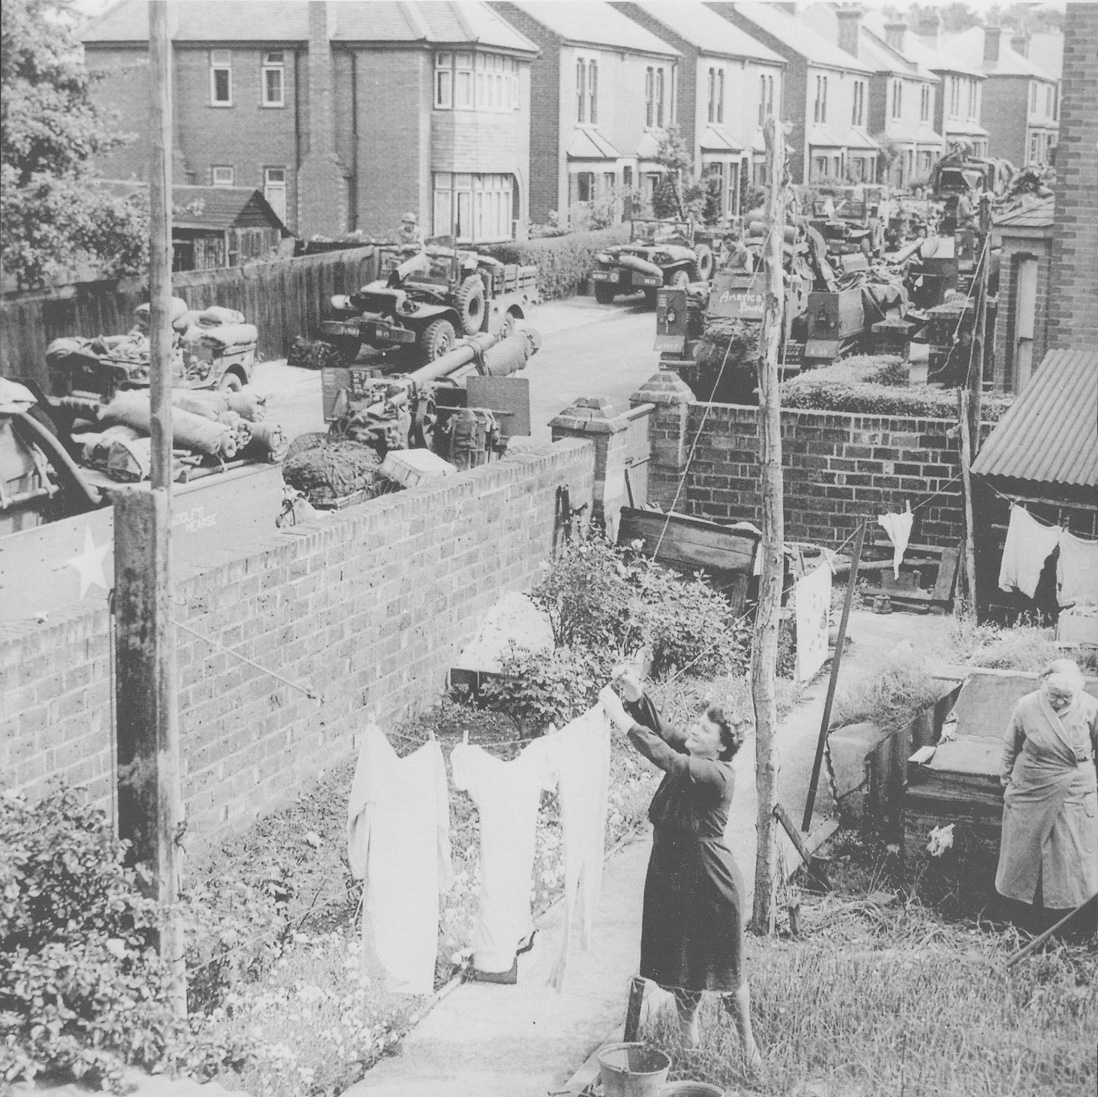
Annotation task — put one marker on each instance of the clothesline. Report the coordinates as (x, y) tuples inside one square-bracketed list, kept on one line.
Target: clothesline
[(1015, 503)]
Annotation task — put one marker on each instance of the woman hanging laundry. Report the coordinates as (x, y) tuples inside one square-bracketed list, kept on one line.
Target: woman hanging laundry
[(692, 925), (1048, 858)]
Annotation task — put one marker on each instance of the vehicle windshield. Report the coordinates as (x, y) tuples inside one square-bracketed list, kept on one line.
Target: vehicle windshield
[(660, 232)]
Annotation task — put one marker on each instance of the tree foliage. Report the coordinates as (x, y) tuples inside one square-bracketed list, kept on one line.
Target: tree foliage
[(52, 216)]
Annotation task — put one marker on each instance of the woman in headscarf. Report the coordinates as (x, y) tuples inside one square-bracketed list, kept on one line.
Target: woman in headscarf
[(1048, 858), (692, 923)]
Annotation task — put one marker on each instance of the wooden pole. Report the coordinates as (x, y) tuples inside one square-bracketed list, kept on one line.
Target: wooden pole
[(1038, 941), (764, 640), (966, 484), (976, 371), (150, 810), (832, 682)]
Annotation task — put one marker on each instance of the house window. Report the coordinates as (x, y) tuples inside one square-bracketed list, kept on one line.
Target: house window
[(712, 116), (609, 181), (463, 81), (584, 190), (819, 113), (720, 96), (221, 78), (954, 97), (766, 97), (273, 76), (274, 190), (627, 177), (857, 116), (1055, 92), (473, 208), (581, 90), (1034, 148), (444, 81), (587, 87), (897, 98), (1048, 100), (819, 165), (659, 97), (924, 103), (593, 91), (973, 99), (221, 176), (649, 96)]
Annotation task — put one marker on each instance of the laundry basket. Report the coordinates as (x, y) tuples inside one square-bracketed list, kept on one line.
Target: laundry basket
[(632, 1070)]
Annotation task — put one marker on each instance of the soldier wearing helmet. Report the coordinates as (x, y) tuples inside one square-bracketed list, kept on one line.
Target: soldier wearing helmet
[(409, 234)]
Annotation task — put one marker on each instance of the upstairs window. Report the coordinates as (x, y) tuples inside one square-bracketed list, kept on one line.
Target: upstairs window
[(819, 112), (593, 91), (857, 116), (924, 103), (897, 98), (659, 97), (720, 96), (463, 81), (484, 81), (221, 78), (274, 80), (766, 97), (444, 81), (712, 115), (581, 90), (973, 99), (221, 176), (649, 96)]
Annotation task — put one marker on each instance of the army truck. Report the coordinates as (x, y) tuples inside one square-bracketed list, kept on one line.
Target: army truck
[(426, 300), (659, 253)]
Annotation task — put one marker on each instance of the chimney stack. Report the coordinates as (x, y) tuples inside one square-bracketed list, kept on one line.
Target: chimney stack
[(930, 25), (1020, 44), (894, 35), (991, 43), (850, 25)]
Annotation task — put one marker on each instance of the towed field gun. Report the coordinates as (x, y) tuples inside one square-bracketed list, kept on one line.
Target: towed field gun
[(426, 299)]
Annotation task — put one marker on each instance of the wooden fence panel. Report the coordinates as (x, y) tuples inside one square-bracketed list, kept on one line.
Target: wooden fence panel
[(284, 298)]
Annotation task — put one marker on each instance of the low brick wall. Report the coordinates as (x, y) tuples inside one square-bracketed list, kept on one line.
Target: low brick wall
[(839, 468), (368, 609)]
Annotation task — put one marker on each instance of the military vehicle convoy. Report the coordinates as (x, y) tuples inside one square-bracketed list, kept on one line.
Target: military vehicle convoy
[(659, 253), (425, 300)]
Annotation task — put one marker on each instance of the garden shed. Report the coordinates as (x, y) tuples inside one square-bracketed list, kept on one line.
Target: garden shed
[(217, 226), (1043, 456)]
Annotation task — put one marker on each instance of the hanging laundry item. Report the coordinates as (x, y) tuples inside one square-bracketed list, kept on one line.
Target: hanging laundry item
[(1029, 544), (1076, 570), (507, 795), (398, 842), (580, 759), (898, 528)]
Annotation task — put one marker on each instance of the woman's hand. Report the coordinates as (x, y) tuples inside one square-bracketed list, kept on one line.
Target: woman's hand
[(612, 706), (622, 675)]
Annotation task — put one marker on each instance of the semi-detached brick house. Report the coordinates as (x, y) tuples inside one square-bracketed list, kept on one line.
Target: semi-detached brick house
[(1020, 100), (959, 106), (346, 115), (825, 98), (728, 82), (902, 92), (603, 91)]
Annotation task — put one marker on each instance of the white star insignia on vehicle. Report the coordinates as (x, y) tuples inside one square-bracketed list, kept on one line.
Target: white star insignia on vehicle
[(90, 563)]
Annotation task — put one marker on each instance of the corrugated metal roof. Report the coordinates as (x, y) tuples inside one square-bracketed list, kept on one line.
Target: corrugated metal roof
[(1050, 433), (708, 32), (1036, 216), (595, 23)]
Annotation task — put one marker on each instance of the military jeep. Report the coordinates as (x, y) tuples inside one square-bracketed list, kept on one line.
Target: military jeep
[(425, 300), (659, 253)]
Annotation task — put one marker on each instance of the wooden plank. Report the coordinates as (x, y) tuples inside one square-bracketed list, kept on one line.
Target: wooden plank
[(947, 575)]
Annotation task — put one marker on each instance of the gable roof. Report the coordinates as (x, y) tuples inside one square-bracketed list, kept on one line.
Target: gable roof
[(939, 57), (216, 208), (798, 36), (969, 45), (591, 22), (706, 31), (433, 21), (1050, 433)]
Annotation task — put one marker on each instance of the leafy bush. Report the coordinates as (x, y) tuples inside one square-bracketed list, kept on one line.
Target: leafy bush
[(82, 989), (877, 386), (564, 262), (889, 695)]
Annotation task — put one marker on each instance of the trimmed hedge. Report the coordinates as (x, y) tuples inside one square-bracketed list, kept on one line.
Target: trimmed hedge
[(564, 262), (872, 385)]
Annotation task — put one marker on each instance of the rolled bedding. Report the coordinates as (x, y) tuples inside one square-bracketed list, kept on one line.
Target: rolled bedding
[(189, 431), (178, 311), (268, 443), (216, 316), (227, 335)]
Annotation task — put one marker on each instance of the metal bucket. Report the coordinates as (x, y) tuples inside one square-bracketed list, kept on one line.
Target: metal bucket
[(691, 1089), (632, 1070)]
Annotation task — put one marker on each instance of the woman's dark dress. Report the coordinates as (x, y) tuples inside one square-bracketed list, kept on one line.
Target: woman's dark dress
[(692, 927)]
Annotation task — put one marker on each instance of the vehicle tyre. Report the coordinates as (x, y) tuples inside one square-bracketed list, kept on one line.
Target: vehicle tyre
[(347, 348), (705, 263), (469, 302), (437, 339), (230, 383), (604, 293), (680, 279)]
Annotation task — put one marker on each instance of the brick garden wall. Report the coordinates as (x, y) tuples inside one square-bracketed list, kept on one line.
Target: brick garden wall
[(368, 609), (839, 468)]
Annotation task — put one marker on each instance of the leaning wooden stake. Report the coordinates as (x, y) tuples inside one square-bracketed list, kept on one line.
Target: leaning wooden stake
[(764, 640), (966, 484)]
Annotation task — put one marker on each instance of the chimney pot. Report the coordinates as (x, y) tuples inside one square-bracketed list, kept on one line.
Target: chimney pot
[(991, 43), (930, 25), (894, 35), (850, 25)]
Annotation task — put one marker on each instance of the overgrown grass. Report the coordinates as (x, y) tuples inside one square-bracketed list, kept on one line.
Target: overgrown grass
[(887, 694), (1022, 647)]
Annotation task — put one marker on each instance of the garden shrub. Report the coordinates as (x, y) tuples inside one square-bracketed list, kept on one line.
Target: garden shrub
[(878, 385), (82, 989), (564, 262)]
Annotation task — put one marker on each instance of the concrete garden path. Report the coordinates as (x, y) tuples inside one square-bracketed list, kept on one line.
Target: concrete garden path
[(529, 1041)]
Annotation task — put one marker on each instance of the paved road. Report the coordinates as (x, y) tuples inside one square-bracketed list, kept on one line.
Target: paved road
[(587, 349)]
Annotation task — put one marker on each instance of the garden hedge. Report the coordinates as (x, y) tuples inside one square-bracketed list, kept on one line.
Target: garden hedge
[(873, 385), (564, 262)]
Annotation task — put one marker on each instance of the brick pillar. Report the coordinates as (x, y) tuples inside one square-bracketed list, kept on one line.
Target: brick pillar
[(321, 179), (592, 418), (668, 429)]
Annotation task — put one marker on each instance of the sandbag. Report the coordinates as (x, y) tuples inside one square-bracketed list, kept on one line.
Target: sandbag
[(268, 443), (216, 315), (248, 404), (189, 431), (208, 403), (226, 335)]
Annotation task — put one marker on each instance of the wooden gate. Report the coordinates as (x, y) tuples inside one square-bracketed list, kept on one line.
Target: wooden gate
[(638, 454)]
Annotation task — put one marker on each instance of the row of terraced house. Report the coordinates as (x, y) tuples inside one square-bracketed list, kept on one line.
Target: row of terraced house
[(483, 118)]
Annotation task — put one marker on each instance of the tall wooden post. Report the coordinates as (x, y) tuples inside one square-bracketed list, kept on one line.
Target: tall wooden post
[(150, 811), (976, 371), (964, 415), (764, 640)]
